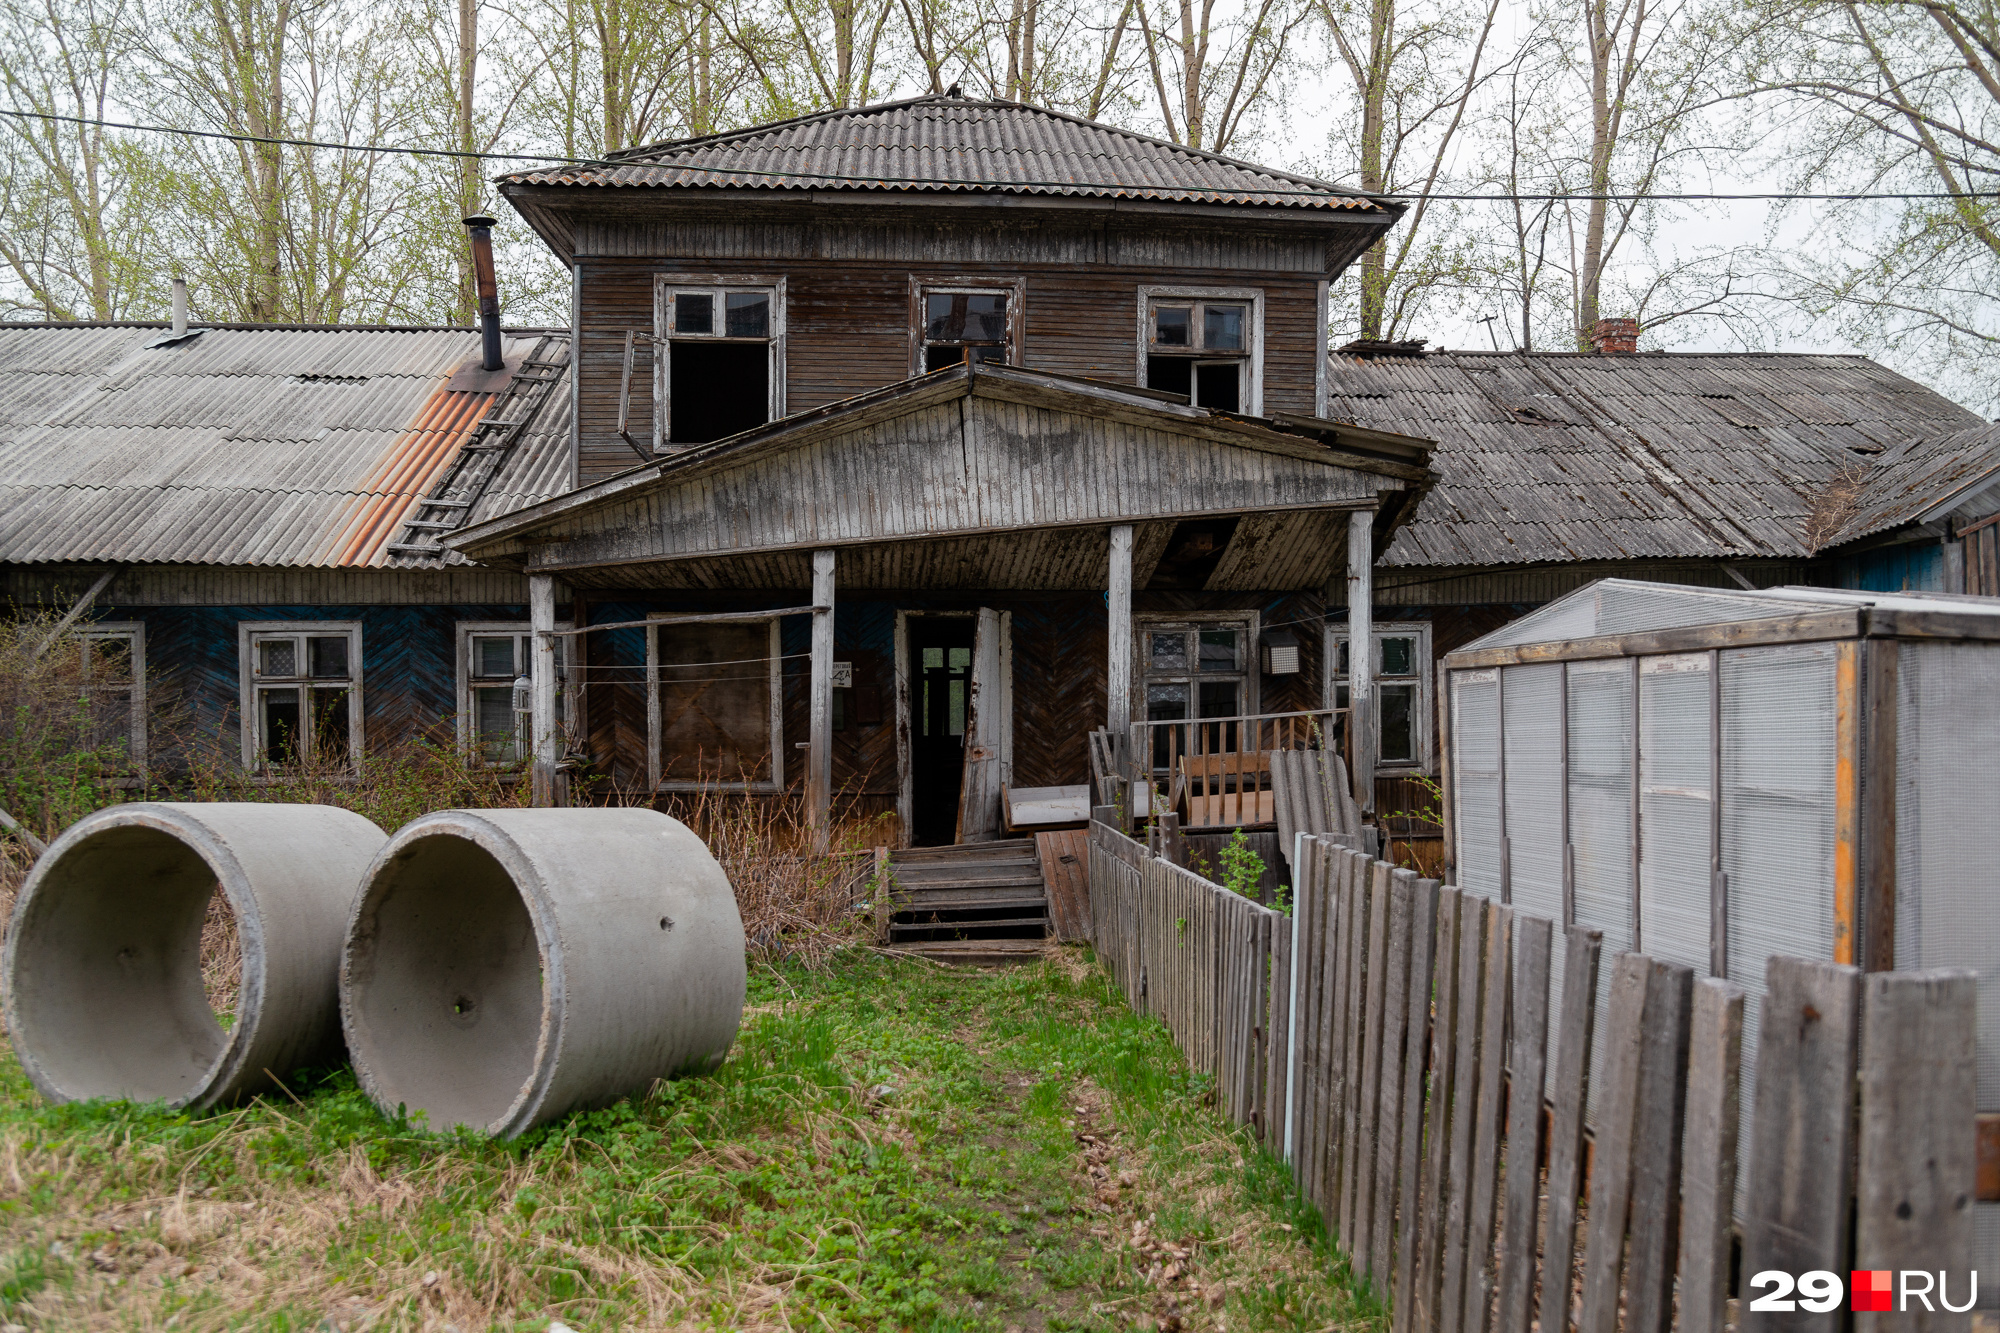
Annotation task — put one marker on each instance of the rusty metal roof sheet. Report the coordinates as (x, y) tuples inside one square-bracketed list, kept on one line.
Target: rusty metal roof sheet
[(1555, 457), (955, 145), (244, 446)]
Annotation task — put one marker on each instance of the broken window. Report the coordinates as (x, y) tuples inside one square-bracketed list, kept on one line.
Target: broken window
[(301, 693), (716, 718), (720, 360), (114, 691), (1191, 671), (965, 325), (1402, 691), (494, 692), (1204, 347)]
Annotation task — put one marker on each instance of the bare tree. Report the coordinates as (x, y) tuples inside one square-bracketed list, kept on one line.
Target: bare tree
[(1213, 76), (63, 234), (1413, 72)]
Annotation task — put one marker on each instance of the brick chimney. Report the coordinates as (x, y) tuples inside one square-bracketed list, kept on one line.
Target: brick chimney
[(1614, 335)]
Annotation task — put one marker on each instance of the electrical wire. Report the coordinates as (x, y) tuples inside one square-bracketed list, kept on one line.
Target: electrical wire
[(1786, 196)]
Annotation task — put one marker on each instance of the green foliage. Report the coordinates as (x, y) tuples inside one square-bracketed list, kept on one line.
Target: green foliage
[(888, 1146), (1242, 868), (60, 757)]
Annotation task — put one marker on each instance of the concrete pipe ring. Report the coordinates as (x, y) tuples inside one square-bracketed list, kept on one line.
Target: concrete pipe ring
[(102, 966), (504, 967)]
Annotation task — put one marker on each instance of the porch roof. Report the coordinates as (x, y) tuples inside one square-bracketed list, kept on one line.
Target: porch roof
[(973, 477)]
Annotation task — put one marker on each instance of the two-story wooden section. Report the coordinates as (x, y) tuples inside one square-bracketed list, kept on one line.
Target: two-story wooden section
[(914, 443)]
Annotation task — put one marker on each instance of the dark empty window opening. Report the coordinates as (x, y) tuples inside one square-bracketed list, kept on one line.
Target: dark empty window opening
[(1200, 349), (1193, 553), (960, 326), (718, 388), (719, 362)]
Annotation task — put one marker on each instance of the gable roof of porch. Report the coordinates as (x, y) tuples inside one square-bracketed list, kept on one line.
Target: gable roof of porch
[(986, 476)]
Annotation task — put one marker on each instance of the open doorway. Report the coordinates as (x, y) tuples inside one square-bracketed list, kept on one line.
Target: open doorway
[(940, 694)]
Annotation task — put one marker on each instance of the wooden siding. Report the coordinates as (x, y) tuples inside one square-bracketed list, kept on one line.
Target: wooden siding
[(848, 328), (221, 585), (409, 666), (966, 465)]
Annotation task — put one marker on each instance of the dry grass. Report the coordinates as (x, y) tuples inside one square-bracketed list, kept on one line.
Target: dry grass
[(890, 1146)]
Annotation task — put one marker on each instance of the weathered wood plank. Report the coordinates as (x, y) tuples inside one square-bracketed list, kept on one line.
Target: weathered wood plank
[(1464, 1113), (1409, 1193), (1802, 1132), (1347, 1044), (1065, 875), (1708, 1176), (1528, 1056), (1366, 1107), (1484, 1184), (1917, 1162), (1611, 1163), (1389, 1101), (1436, 1186), (1569, 1091), (1656, 1150)]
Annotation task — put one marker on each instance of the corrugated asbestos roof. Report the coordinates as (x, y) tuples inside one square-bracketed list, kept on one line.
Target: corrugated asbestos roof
[(954, 145), (1552, 457), (285, 447)]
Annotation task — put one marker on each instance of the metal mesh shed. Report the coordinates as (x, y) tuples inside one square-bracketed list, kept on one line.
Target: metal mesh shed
[(1714, 777)]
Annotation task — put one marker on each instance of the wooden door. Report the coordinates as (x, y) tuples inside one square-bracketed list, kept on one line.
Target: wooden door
[(985, 724)]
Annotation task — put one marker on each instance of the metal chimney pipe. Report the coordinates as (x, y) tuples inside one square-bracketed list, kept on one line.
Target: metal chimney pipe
[(180, 307), (489, 292)]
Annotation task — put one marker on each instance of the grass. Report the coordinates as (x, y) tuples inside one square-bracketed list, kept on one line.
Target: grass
[(891, 1145)]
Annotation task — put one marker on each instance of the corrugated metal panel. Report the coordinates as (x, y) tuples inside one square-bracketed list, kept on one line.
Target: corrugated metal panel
[(949, 144), (1676, 806), (282, 447), (1601, 743), (1628, 606), (1475, 770), (1948, 747), (1558, 457), (1534, 795), (1778, 709)]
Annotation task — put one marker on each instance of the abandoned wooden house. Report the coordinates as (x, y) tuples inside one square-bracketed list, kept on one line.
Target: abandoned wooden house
[(902, 449), (232, 507)]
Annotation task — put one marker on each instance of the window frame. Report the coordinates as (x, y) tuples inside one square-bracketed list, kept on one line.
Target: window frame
[(1015, 289), (249, 633), (1425, 678), (569, 698), (656, 724), (1150, 295), (1144, 626), (665, 285), (134, 633)]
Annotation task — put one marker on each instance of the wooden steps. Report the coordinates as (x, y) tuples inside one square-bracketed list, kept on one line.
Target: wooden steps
[(981, 902)]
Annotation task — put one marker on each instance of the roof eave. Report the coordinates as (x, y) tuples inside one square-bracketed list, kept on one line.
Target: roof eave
[(501, 539)]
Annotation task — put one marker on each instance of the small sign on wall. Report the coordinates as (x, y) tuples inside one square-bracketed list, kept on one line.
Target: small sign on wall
[(843, 675)]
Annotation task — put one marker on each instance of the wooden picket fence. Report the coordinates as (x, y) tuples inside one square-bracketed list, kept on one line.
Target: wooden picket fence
[(1394, 1039)]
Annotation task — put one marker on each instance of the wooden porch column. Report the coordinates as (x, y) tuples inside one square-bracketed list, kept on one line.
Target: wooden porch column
[(542, 688), (1118, 642), (819, 752), (1361, 653)]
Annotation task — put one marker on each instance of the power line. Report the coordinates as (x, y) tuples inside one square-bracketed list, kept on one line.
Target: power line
[(557, 160)]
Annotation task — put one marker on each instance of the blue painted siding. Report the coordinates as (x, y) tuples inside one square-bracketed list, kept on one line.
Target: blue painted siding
[(408, 664), (1914, 568)]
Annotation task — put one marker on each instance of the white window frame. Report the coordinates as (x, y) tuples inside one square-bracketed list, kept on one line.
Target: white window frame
[(1253, 389), (568, 699), (656, 725), (1423, 677), (134, 634), (249, 633), (665, 285), (1014, 289)]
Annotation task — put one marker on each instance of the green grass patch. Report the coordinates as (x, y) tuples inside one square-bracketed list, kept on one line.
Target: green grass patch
[(891, 1146)]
